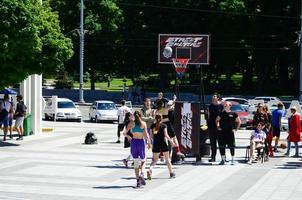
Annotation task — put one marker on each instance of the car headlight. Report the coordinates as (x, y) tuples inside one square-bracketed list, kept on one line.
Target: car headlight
[(59, 114)]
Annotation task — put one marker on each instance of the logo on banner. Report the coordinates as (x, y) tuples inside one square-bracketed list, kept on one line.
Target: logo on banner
[(184, 41), (186, 125)]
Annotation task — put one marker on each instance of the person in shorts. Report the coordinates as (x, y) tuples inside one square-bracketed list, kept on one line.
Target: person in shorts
[(137, 146), (6, 110), (276, 122), (20, 114), (160, 144)]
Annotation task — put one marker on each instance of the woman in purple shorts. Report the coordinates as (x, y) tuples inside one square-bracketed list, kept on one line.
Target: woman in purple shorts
[(137, 146)]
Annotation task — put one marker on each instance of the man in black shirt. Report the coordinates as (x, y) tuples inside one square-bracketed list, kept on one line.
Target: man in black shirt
[(226, 122), (214, 110)]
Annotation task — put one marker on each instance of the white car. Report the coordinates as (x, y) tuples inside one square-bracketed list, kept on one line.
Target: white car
[(103, 111), (65, 110), (267, 99), (244, 102)]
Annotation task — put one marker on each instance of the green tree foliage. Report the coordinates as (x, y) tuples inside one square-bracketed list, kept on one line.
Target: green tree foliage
[(102, 19), (31, 41)]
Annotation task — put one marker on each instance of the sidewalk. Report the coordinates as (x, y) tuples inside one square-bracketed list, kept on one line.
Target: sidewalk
[(59, 166)]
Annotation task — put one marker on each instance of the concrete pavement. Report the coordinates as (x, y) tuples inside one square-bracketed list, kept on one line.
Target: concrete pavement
[(59, 166)]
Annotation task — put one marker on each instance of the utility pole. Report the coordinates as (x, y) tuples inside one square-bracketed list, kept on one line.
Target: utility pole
[(81, 96)]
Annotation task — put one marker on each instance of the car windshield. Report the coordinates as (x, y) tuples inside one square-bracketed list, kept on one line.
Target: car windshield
[(106, 106), (237, 108), (65, 104)]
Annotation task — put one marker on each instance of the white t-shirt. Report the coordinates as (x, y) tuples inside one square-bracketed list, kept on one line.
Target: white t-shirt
[(121, 113), (258, 136)]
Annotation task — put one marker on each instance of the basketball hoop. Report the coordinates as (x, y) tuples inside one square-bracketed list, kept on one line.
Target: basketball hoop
[(180, 65)]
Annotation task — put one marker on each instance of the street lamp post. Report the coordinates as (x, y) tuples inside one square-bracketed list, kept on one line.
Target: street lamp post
[(81, 96)]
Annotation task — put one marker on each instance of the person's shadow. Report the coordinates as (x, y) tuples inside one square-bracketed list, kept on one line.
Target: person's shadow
[(7, 144)]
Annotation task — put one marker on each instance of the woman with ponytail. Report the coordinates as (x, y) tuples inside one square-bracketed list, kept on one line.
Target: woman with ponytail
[(160, 137), (137, 146)]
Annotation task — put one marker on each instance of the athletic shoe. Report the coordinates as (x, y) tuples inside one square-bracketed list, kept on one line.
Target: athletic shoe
[(233, 162), (249, 162), (212, 160), (138, 184), (286, 154), (142, 180), (222, 162), (172, 175), (149, 174), (118, 141), (125, 161), (19, 138)]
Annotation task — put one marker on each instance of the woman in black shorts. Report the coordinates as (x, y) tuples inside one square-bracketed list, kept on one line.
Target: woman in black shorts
[(160, 137)]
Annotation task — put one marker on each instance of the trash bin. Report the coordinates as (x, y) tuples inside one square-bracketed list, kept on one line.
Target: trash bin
[(27, 125), (205, 145)]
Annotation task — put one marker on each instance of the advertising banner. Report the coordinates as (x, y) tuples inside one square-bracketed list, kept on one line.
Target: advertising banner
[(187, 126)]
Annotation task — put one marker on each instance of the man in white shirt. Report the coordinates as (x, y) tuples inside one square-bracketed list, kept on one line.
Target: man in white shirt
[(121, 118)]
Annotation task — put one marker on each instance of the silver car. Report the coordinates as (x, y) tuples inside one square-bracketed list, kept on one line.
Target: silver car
[(103, 110)]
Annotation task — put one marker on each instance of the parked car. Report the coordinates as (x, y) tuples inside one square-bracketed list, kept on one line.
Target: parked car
[(64, 110), (267, 99), (103, 110), (244, 102)]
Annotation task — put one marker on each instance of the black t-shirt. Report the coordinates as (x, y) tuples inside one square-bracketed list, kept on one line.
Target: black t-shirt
[(214, 111), (158, 135), (227, 120)]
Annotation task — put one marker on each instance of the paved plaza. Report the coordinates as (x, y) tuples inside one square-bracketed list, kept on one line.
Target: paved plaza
[(57, 165)]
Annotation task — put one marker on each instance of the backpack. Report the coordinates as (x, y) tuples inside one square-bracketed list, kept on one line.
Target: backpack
[(23, 108), (91, 138)]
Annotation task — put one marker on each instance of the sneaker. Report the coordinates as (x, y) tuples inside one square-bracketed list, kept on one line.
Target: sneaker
[(149, 174), (276, 150), (180, 155), (222, 162), (212, 160), (172, 175), (233, 162), (249, 162), (271, 154), (118, 141), (125, 161), (286, 154), (138, 184), (11, 137), (19, 138), (142, 180)]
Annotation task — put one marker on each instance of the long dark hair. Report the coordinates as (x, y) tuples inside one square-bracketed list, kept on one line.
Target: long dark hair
[(158, 118), (138, 117)]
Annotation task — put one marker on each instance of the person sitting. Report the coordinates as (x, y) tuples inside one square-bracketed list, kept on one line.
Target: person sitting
[(257, 141)]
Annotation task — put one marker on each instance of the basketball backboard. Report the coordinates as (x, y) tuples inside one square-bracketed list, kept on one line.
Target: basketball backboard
[(192, 46)]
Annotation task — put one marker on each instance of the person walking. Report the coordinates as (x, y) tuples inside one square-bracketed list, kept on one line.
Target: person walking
[(294, 132), (121, 119), (20, 114), (160, 144), (214, 110), (137, 146), (225, 122), (148, 114), (277, 115), (6, 109), (128, 118)]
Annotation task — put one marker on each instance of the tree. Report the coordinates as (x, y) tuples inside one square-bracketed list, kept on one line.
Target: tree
[(31, 40), (102, 19)]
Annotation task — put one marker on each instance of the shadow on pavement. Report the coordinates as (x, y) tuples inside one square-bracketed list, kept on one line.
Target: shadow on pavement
[(290, 165), (7, 144), (114, 187)]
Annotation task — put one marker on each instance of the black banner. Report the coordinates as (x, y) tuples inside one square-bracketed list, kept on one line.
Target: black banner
[(187, 126)]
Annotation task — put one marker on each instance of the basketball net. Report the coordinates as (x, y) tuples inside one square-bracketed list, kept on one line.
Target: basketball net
[(180, 65)]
